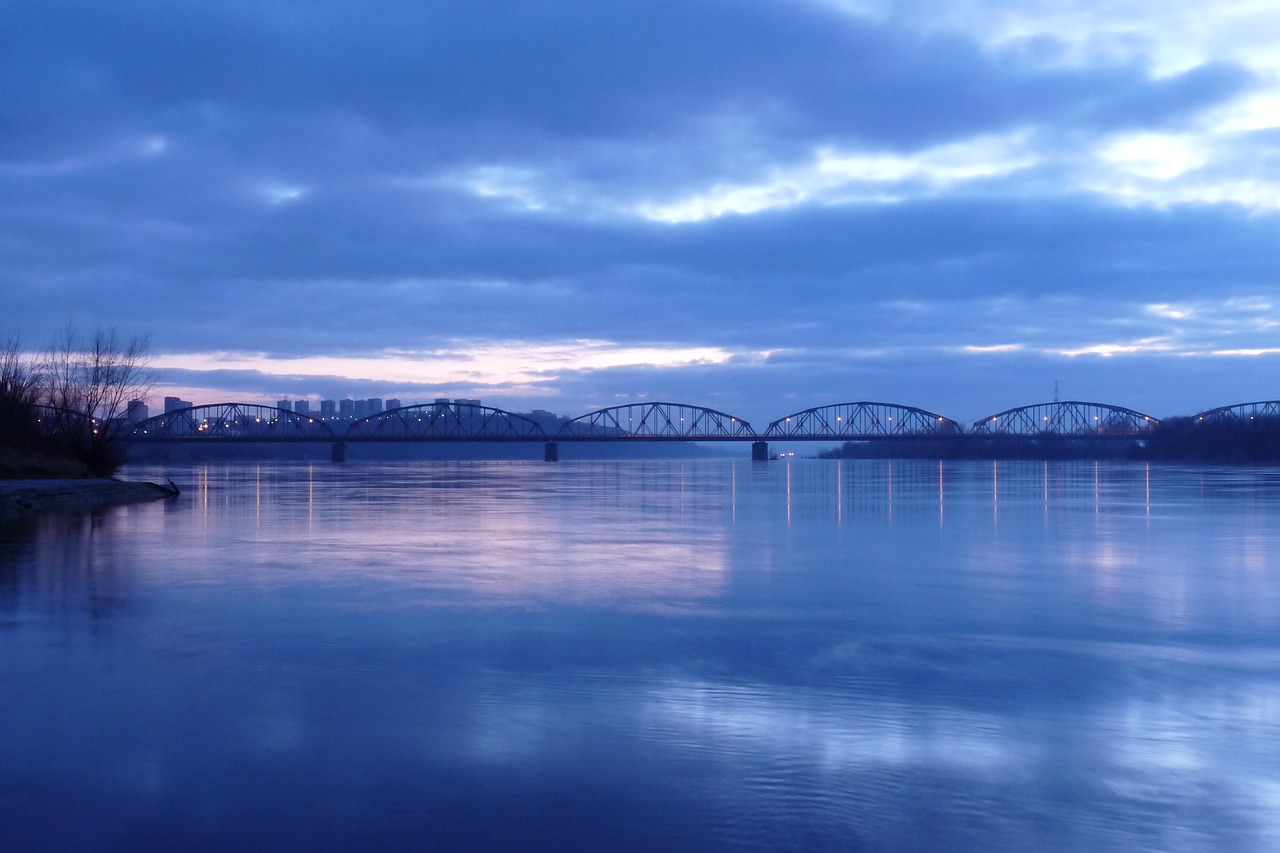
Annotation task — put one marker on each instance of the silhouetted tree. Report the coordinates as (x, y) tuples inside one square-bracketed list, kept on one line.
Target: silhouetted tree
[(19, 421), (88, 382)]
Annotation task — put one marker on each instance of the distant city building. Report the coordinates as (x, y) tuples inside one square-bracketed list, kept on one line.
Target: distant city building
[(442, 401), (172, 404), (287, 405), (137, 411), (549, 421), (328, 409), (393, 403), (361, 409), (461, 402), (302, 407), (373, 405), (347, 408)]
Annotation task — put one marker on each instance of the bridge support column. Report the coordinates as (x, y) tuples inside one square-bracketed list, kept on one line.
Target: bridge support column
[(338, 453), (551, 452), (759, 451)]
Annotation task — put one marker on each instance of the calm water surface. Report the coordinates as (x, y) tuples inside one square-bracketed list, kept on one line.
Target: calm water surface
[(801, 655)]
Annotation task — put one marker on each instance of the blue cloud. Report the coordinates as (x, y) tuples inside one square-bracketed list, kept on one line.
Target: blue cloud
[(515, 79), (310, 178)]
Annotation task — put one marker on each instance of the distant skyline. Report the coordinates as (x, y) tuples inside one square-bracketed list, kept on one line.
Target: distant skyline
[(755, 206)]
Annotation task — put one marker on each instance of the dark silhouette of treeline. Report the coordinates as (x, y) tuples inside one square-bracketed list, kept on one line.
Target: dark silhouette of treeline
[(34, 444), (63, 412), (1186, 439), (1221, 440)]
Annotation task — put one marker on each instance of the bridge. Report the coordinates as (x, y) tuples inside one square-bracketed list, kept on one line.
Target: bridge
[(1071, 419), (862, 421), (1240, 413), (635, 422)]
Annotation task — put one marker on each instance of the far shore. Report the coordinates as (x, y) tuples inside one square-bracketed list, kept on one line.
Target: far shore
[(21, 497)]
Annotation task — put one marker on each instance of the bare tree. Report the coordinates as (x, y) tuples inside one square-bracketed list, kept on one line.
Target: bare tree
[(18, 396), (17, 375), (89, 383)]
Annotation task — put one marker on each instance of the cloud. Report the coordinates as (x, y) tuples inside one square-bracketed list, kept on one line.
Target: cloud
[(823, 195), (812, 276)]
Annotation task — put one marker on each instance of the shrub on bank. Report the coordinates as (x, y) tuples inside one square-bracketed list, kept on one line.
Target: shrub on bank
[(20, 464)]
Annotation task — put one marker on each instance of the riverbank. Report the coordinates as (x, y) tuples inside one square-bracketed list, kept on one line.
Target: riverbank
[(27, 497)]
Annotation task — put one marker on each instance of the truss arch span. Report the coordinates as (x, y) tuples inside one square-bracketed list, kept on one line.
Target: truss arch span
[(52, 420), (232, 422), (1071, 418), (1241, 413), (862, 420), (445, 422), (657, 422)]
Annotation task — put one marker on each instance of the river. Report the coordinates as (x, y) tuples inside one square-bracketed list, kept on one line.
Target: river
[(649, 655)]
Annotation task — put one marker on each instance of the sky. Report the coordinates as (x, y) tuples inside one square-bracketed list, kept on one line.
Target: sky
[(756, 206)]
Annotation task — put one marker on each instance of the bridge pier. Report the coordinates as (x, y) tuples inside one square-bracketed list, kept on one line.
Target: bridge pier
[(759, 451), (551, 452), (338, 452)]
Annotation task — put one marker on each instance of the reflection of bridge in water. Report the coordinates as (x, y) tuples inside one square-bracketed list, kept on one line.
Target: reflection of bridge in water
[(637, 422)]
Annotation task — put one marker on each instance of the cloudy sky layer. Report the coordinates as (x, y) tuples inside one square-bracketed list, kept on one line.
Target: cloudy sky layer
[(753, 205)]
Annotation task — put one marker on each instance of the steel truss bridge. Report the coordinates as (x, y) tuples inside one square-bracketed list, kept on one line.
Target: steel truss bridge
[(1073, 419), (1240, 413), (51, 421), (648, 421)]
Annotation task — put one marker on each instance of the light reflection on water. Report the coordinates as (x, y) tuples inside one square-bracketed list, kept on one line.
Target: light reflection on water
[(713, 655)]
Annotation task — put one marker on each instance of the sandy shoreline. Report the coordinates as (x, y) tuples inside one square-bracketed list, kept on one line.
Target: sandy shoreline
[(26, 497)]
